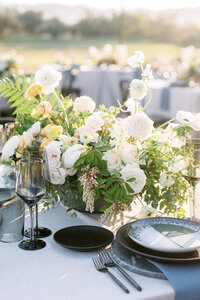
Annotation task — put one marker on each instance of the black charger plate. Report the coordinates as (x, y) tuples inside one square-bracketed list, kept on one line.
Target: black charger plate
[(84, 237), (134, 248)]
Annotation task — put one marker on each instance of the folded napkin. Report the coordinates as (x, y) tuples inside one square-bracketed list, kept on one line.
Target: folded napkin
[(184, 278), (164, 104)]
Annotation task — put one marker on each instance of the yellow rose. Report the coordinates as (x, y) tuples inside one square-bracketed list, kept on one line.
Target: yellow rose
[(46, 129), (33, 90), (54, 132)]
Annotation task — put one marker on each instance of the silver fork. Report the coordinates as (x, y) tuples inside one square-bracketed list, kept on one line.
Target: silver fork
[(108, 262), (101, 268)]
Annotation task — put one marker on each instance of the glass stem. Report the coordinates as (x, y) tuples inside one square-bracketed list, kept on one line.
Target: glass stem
[(32, 230), (194, 208), (36, 217)]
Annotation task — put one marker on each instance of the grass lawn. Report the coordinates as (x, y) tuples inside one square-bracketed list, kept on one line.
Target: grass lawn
[(38, 51)]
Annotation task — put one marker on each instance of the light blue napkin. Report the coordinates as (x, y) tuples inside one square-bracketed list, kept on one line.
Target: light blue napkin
[(185, 279), (164, 101)]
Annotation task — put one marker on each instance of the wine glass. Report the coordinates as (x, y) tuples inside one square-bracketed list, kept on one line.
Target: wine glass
[(39, 232), (30, 187), (192, 172)]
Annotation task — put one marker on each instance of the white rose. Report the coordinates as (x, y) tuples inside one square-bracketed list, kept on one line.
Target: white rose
[(83, 104), (25, 140), (95, 122), (148, 72), (140, 126), (48, 78), (87, 134), (70, 171), (166, 180), (35, 129), (138, 89), (136, 59), (72, 154), (148, 212), (133, 171), (113, 159), (10, 146), (57, 176), (53, 155), (129, 153)]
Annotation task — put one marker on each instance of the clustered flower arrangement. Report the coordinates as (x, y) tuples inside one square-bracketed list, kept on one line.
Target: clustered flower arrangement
[(109, 55), (189, 67), (93, 153), (9, 63)]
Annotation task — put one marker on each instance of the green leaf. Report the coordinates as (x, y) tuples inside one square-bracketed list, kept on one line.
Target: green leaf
[(131, 180), (129, 189), (79, 162), (117, 174)]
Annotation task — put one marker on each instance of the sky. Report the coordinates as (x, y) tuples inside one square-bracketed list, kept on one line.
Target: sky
[(113, 4)]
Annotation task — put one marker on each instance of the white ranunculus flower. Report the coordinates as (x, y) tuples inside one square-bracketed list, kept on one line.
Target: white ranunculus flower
[(72, 154), (136, 59), (57, 176), (129, 153), (53, 154), (133, 171), (166, 180), (138, 89), (87, 134), (95, 122), (35, 129), (113, 158), (10, 146), (83, 104), (140, 126), (148, 212), (48, 78), (148, 72)]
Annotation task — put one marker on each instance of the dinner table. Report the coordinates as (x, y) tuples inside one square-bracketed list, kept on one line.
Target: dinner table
[(56, 272)]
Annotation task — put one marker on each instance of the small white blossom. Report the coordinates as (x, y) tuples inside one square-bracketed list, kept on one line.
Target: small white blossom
[(129, 153), (113, 159), (148, 212), (138, 89), (148, 72), (86, 134), (166, 180), (136, 59)]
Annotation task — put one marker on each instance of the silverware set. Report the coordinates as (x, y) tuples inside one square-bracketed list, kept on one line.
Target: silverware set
[(104, 260)]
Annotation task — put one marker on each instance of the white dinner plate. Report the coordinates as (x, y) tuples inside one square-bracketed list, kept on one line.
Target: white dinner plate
[(166, 234)]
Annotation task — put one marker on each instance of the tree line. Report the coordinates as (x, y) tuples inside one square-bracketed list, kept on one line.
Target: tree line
[(136, 26)]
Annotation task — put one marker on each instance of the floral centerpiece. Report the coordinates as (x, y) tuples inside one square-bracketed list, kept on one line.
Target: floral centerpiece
[(9, 63), (93, 154)]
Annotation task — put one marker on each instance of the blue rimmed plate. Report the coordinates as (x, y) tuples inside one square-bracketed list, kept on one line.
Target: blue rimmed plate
[(171, 235)]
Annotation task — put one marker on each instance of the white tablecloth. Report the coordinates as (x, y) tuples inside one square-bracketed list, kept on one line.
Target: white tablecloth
[(57, 273), (101, 84), (180, 98)]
